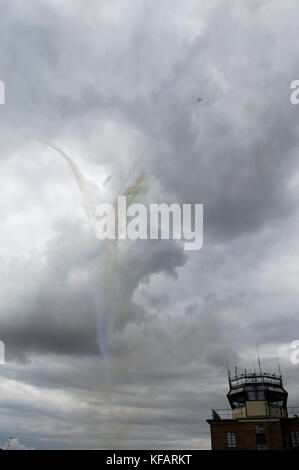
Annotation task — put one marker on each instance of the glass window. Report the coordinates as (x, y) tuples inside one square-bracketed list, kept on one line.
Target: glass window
[(295, 438), (260, 437), (256, 396), (231, 439), (277, 403), (259, 428), (237, 404)]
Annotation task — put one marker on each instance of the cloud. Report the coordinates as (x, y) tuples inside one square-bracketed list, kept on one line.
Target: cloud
[(103, 82)]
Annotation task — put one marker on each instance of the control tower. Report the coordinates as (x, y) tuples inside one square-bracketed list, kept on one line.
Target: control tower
[(259, 418)]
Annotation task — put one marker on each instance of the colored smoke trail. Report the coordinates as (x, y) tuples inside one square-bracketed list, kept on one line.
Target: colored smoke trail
[(114, 307), (111, 300), (115, 300)]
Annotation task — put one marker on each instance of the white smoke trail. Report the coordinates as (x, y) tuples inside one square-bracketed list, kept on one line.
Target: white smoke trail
[(88, 199)]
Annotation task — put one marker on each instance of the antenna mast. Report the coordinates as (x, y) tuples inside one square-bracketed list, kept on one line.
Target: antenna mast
[(258, 359)]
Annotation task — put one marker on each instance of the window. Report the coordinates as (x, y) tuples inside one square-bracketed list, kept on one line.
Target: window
[(238, 404), (256, 396), (277, 403), (295, 438), (231, 439), (261, 395), (259, 428), (260, 437)]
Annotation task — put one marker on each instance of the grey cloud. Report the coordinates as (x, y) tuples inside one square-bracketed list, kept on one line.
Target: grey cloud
[(103, 81)]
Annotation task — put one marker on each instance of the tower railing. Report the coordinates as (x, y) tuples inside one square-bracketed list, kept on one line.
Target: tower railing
[(239, 413), (254, 378)]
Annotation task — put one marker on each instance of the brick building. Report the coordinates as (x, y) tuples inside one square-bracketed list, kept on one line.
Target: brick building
[(258, 419)]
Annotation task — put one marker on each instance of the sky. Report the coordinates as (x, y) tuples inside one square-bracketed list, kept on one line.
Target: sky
[(130, 351)]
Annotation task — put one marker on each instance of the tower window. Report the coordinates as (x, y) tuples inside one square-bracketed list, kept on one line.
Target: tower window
[(295, 438), (231, 439), (259, 429), (256, 395), (260, 437), (277, 403)]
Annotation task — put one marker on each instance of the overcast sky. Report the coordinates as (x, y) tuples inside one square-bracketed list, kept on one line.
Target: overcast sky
[(137, 358)]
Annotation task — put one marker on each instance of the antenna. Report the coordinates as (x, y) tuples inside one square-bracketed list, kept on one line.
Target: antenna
[(258, 358), (227, 368), (279, 369)]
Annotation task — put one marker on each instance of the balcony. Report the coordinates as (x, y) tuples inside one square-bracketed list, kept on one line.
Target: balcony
[(250, 413)]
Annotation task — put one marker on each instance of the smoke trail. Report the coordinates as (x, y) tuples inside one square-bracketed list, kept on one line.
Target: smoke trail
[(110, 292), (109, 282), (113, 307), (106, 181), (102, 302), (87, 199), (137, 188)]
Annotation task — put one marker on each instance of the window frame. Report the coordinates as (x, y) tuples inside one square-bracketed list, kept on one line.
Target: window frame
[(231, 440), (259, 428), (295, 438)]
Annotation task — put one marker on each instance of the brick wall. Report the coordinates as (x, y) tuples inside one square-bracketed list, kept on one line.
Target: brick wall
[(245, 434)]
